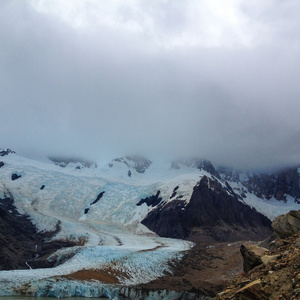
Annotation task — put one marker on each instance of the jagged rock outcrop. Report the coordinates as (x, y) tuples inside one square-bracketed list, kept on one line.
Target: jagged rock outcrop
[(276, 185), (151, 200), (4, 152), (99, 196), (276, 279), (212, 214), (277, 271), (252, 290), (207, 166), (288, 224), (15, 176), (252, 256)]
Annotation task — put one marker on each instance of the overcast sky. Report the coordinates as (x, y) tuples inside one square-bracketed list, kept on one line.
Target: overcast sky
[(99, 79)]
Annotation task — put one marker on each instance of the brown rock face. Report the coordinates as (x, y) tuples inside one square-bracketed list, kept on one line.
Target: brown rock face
[(288, 224), (278, 279), (252, 256), (252, 291), (203, 270), (273, 274)]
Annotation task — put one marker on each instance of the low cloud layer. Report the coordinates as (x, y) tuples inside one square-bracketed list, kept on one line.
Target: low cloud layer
[(100, 79)]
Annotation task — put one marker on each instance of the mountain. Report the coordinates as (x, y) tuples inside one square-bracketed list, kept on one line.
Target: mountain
[(270, 193), (278, 185), (212, 214), (113, 223)]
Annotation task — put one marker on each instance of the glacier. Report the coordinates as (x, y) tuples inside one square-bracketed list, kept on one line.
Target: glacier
[(115, 238)]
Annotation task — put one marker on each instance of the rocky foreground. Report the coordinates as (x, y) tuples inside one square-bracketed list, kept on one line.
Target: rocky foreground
[(202, 271), (269, 270), (272, 273)]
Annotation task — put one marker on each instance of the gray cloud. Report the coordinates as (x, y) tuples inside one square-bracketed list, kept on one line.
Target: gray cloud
[(106, 88)]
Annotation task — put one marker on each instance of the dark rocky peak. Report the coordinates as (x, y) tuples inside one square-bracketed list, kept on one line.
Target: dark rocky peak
[(288, 181), (4, 152), (79, 162), (212, 214), (262, 185), (214, 184), (207, 166), (277, 184)]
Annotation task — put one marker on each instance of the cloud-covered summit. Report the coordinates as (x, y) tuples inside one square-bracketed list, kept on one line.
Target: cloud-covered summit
[(196, 78)]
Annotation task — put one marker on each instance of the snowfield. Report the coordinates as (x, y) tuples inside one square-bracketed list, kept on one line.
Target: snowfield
[(99, 206)]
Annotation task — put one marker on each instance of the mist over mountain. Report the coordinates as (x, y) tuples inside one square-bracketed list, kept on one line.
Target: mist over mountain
[(168, 79)]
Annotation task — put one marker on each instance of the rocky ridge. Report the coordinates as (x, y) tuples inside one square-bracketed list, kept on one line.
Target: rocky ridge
[(214, 213), (4, 152), (276, 272), (276, 184)]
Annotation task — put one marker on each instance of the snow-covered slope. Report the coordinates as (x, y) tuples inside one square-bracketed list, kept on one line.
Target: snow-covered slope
[(48, 193)]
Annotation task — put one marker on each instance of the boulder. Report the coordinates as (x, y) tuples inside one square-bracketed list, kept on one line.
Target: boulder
[(266, 259), (15, 176), (252, 291), (252, 256), (287, 225)]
